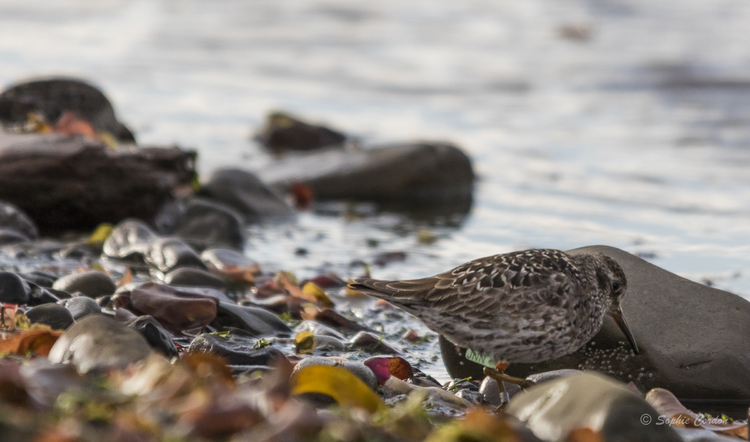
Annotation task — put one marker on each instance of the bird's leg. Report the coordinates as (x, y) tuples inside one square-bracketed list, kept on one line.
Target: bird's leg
[(499, 375)]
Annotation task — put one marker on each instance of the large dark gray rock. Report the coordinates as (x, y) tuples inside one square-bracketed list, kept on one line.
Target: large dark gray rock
[(419, 172), (76, 183), (555, 408), (244, 192), (91, 283), (98, 342), (51, 97), (283, 132), (206, 224), (692, 338)]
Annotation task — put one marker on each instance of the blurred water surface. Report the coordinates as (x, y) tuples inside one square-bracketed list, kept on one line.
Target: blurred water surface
[(619, 122)]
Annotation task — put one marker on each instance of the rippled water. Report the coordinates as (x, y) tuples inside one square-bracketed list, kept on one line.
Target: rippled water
[(636, 137)]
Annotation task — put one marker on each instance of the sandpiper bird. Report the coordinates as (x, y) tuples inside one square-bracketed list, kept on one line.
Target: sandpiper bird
[(527, 306)]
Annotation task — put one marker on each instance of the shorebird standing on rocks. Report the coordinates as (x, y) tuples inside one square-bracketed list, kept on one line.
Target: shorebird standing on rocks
[(527, 306)]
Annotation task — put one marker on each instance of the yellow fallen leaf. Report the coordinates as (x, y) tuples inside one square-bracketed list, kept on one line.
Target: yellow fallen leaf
[(304, 342), (101, 233), (338, 383), (313, 290)]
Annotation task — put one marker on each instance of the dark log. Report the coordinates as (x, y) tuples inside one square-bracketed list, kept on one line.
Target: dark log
[(75, 183)]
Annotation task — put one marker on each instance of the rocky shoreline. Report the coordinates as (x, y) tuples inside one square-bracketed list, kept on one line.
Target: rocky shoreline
[(152, 323)]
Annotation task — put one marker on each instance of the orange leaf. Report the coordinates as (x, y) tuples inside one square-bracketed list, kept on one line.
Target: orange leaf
[(69, 124), (583, 435), (39, 340)]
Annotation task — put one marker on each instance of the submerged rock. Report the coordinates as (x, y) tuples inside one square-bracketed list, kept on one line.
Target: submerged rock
[(54, 315), (247, 194), (92, 284), (555, 408), (283, 132), (210, 224), (97, 342)]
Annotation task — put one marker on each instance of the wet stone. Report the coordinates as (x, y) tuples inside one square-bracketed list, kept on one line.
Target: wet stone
[(129, 240), (80, 306), (188, 276), (282, 132), (98, 342), (156, 336), (255, 321), (470, 396), (92, 284), (279, 304), (586, 400), (39, 278), (371, 343), (237, 349), (77, 252), (546, 376), (210, 224), (167, 254), (229, 261), (318, 329), (176, 310), (328, 343), (245, 193), (103, 301), (39, 295), (54, 315), (361, 371), (491, 394), (14, 219), (10, 237), (13, 289)]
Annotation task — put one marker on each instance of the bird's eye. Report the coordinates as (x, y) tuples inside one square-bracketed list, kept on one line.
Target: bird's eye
[(616, 286)]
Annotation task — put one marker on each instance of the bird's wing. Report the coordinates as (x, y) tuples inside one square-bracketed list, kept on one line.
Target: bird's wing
[(483, 289)]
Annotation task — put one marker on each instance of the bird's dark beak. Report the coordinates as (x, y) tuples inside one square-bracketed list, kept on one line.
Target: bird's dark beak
[(619, 318)]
